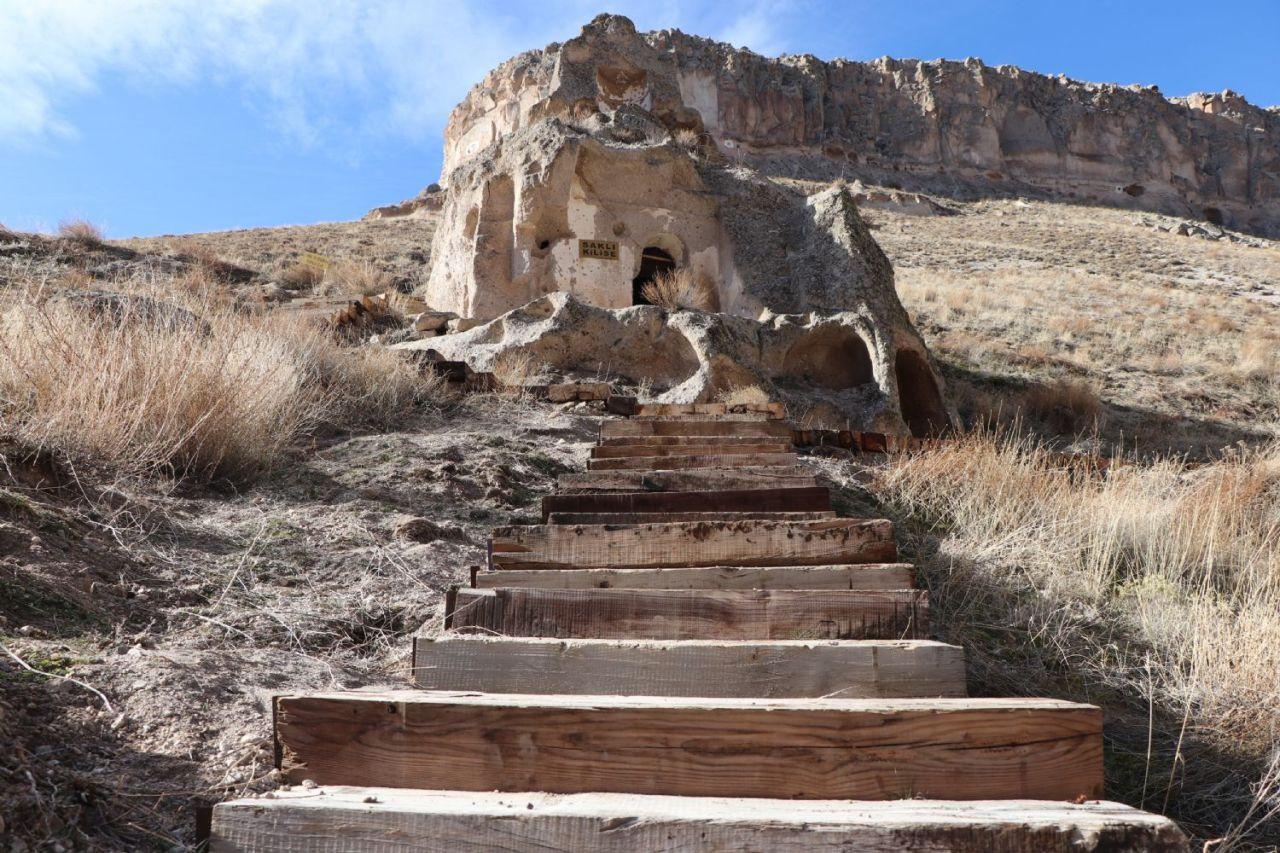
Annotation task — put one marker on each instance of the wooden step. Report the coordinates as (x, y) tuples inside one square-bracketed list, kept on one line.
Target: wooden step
[(689, 480), (774, 428), (872, 749), (676, 463), (864, 576), (623, 451), (689, 440), (685, 410), (389, 820), (673, 517), (698, 543), (812, 499), (781, 668), (684, 614)]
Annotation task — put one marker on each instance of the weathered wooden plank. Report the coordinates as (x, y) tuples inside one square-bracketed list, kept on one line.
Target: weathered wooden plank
[(694, 410), (673, 463), (389, 820), (700, 543), (614, 451), (864, 576), (632, 426), (688, 440), (781, 668), (684, 614), (670, 517), (812, 499), (688, 480), (874, 749)]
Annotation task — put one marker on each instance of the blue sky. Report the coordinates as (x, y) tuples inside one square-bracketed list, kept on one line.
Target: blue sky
[(174, 116)]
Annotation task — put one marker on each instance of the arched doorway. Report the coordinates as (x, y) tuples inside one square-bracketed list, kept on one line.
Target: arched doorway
[(918, 395), (831, 357), (652, 261)]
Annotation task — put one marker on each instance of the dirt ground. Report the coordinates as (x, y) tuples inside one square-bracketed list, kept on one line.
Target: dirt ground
[(183, 610)]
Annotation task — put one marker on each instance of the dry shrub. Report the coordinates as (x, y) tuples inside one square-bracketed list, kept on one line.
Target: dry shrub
[(688, 139), (680, 288), (80, 231), (514, 369), (1067, 406), (357, 279), (743, 395), (301, 276), (218, 399), (1153, 590)]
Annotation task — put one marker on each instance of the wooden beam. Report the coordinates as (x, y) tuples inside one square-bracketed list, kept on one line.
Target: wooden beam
[(687, 440), (616, 451), (812, 499), (701, 543), (684, 614), (673, 463), (671, 517), (865, 576), (773, 428), (689, 480), (781, 668), (872, 749), (675, 410), (388, 820)]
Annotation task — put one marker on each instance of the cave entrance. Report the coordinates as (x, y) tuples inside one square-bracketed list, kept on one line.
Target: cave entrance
[(832, 357), (1214, 216), (652, 262), (918, 395)]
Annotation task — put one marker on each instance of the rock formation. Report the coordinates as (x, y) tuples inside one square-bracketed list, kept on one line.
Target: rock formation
[(606, 196), (957, 128)]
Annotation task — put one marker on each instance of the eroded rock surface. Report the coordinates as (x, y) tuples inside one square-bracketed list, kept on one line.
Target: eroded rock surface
[(848, 368), (959, 128)]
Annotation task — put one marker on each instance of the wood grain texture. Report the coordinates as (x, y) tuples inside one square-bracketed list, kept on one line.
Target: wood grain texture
[(874, 749), (388, 820), (678, 614), (690, 480), (812, 499), (676, 463), (773, 428), (672, 517), (793, 669), (863, 576), (690, 440), (698, 543), (623, 451)]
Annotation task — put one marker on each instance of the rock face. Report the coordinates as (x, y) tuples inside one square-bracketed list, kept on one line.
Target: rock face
[(958, 128), (860, 373), (553, 231)]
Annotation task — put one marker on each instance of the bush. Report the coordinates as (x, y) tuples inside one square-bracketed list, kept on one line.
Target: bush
[(682, 288), (80, 231), (1067, 406)]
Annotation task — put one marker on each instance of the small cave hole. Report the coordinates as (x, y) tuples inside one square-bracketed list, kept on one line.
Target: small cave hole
[(833, 357), (543, 245), (1214, 215)]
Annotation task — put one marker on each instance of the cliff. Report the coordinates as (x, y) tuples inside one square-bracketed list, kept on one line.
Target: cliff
[(961, 129)]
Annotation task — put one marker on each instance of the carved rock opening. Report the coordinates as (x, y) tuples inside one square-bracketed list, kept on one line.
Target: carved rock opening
[(918, 395)]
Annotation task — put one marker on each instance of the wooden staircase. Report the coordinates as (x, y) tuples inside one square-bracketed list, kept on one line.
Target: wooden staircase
[(692, 652)]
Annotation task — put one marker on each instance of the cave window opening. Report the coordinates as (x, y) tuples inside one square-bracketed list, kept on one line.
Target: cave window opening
[(1214, 216), (652, 261)]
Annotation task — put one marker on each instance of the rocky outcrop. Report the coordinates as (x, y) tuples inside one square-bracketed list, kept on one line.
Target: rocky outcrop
[(847, 369), (963, 129)]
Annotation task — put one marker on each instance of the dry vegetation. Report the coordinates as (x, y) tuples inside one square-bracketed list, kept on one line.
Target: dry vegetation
[(1177, 337), (681, 288), (1153, 590)]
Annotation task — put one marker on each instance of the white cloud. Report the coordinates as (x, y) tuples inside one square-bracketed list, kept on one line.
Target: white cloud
[(334, 73)]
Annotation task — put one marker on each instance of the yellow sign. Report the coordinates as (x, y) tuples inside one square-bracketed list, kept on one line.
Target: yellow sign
[(605, 250)]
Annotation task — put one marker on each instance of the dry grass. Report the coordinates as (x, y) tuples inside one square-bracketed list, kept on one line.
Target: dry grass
[(301, 276), (80, 231), (515, 369), (743, 395), (682, 288), (1067, 406), (356, 278), (1153, 590), (223, 398)]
